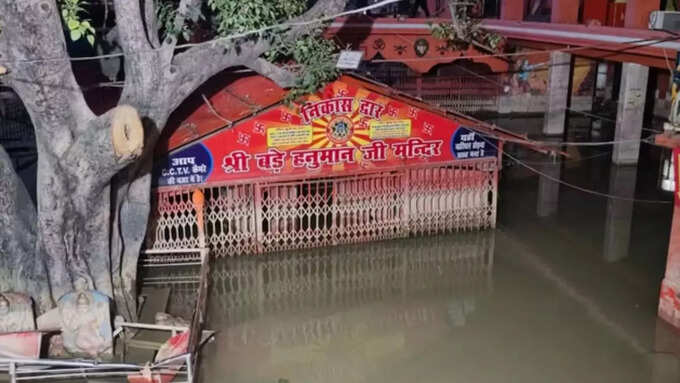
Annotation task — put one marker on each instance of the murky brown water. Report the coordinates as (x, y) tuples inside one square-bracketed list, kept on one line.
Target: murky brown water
[(565, 290)]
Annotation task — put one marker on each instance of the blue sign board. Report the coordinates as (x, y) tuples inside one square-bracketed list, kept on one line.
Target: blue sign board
[(467, 143), (186, 167)]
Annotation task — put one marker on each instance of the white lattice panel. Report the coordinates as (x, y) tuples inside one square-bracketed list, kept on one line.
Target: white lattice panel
[(464, 103), (369, 208), (294, 215), (457, 197), (255, 218), (173, 223), (230, 219)]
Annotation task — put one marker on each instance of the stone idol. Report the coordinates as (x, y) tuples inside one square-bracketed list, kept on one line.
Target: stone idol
[(16, 313), (86, 324)]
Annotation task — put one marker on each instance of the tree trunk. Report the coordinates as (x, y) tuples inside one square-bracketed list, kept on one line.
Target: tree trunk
[(74, 200), (77, 233), (22, 266)]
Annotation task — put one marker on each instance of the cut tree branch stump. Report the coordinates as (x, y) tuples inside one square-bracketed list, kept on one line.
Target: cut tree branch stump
[(127, 132)]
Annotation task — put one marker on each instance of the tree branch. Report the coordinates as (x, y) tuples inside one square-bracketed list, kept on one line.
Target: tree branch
[(33, 49), (145, 67), (181, 17), (320, 9), (132, 35), (113, 141), (109, 43), (151, 23), (281, 76), (196, 65)]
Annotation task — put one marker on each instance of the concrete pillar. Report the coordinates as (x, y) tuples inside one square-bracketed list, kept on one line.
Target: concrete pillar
[(601, 80), (619, 218), (564, 12), (637, 12), (548, 199), (611, 84), (630, 114), (513, 10), (557, 95)]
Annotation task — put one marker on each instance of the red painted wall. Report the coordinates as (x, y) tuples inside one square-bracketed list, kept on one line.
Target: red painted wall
[(564, 12), (513, 10), (637, 12), (616, 14), (595, 10)]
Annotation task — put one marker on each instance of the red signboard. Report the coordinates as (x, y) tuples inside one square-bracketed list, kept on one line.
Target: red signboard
[(339, 131)]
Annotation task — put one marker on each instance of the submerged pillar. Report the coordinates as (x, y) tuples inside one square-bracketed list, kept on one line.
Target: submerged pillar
[(619, 218), (548, 199), (630, 113), (557, 95)]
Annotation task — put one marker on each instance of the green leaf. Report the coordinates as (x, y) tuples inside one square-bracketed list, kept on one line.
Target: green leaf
[(90, 39), (73, 24), (75, 35), (86, 24)]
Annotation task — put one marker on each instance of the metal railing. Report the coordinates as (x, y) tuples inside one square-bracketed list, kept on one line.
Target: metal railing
[(274, 216)]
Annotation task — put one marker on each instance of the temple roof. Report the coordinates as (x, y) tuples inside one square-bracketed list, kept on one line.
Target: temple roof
[(236, 97)]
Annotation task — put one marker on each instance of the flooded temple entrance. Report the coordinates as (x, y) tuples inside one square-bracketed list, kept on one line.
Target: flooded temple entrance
[(354, 162), (540, 298), (558, 285)]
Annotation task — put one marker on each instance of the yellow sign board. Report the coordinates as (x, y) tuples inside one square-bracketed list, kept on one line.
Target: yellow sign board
[(289, 136), (389, 129)]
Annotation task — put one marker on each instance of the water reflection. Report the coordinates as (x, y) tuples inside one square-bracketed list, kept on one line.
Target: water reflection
[(619, 218), (340, 314), (335, 314), (182, 282), (548, 198), (248, 288)]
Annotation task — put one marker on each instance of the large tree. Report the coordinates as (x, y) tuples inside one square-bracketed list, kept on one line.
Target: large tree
[(94, 171)]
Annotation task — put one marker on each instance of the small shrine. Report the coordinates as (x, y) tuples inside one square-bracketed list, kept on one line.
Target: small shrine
[(356, 161)]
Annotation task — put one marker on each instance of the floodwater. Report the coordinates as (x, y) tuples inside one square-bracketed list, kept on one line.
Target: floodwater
[(564, 290)]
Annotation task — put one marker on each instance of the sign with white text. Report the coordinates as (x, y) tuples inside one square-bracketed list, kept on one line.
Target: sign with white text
[(341, 130)]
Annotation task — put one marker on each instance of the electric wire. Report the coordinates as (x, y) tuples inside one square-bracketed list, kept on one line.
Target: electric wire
[(606, 119), (309, 22), (582, 159), (575, 187), (652, 41), (565, 143), (216, 40)]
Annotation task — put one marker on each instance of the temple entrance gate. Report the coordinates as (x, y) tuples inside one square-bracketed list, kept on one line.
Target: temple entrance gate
[(251, 218)]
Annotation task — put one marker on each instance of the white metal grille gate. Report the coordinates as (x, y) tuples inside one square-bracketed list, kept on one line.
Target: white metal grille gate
[(275, 216), (229, 220), (370, 208), (293, 215)]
